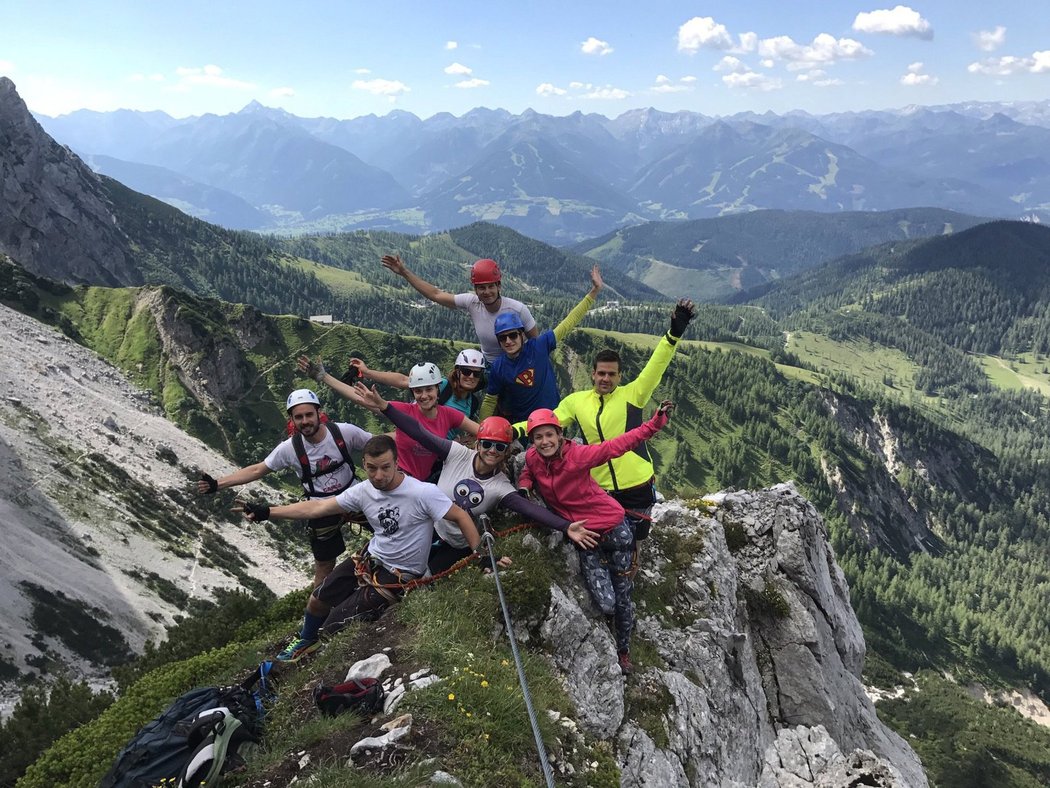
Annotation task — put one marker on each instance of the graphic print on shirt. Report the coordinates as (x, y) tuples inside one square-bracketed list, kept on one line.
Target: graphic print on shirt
[(468, 493), (389, 520), (527, 377), (326, 465)]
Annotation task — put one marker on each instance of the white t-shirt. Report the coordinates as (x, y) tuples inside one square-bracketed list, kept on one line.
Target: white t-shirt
[(478, 496), (485, 321), (403, 520), (330, 473)]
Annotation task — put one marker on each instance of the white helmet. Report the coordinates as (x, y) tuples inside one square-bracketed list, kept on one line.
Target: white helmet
[(302, 397), (470, 358), (424, 374)]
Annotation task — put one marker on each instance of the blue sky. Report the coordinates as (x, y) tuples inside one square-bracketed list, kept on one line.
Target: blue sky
[(344, 59)]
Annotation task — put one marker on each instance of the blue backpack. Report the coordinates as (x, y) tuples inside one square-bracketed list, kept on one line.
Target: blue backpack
[(197, 738)]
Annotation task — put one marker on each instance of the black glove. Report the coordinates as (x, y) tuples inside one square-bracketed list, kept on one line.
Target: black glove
[(213, 486), (257, 512), (351, 375), (484, 563), (684, 311)]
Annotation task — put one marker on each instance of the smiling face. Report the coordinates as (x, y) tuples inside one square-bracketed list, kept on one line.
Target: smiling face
[(606, 377), (469, 377), (306, 419), (426, 397), (511, 342), (488, 293), (490, 456), (547, 440)]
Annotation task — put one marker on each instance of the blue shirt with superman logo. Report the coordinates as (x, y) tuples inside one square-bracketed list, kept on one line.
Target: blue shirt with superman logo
[(528, 381)]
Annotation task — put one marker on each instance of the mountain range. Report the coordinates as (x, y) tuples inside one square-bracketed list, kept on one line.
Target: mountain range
[(563, 179)]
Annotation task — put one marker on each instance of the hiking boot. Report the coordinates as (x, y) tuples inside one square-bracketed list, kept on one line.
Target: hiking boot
[(626, 667), (298, 649)]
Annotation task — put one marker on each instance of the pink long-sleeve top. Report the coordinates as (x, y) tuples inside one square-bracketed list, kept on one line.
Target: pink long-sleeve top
[(565, 480)]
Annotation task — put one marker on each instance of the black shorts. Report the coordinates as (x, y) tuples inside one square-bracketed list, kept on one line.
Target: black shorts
[(326, 537), (342, 582)]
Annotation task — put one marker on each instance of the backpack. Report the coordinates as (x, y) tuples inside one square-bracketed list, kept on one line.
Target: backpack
[(365, 695), (306, 474), (196, 739), (475, 400)]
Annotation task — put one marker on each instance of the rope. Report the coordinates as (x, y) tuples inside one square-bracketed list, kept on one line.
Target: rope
[(488, 540)]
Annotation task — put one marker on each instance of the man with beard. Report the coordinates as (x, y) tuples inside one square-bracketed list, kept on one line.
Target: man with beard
[(402, 512), (319, 451), (482, 305)]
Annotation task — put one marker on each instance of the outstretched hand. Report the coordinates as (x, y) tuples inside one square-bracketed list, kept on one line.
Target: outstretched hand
[(596, 279), (684, 311), (312, 369), (256, 512), (663, 414), (370, 397), (207, 485), (393, 263), (581, 536)]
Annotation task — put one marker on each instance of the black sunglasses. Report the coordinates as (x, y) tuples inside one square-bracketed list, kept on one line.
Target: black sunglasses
[(468, 372), (508, 337), (488, 445)]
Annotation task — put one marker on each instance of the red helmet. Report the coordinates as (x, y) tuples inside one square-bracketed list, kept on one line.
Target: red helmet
[(485, 272), (541, 417), (496, 428)]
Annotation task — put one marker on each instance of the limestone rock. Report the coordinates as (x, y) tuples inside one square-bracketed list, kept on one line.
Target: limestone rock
[(379, 742), (371, 668)]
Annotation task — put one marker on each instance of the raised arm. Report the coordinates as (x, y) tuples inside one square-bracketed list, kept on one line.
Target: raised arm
[(316, 370), (641, 389), (303, 510), (207, 485), (598, 453), (408, 425), (574, 317), (398, 380), (393, 263)]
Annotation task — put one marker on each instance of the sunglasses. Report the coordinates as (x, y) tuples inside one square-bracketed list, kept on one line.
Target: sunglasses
[(467, 372), (510, 336), (492, 445)]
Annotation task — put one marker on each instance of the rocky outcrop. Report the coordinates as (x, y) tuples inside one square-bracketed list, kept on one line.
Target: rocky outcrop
[(55, 219), (756, 678)]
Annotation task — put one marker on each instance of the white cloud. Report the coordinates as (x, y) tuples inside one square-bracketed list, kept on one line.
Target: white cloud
[(580, 85), (595, 46), (458, 68), (663, 84), (208, 76), (828, 83), (811, 76), (284, 92), (914, 77), (688, 79), (751, 80), (472, 83), (1007, 65), (7, 67), (825, 49), (362, 71), (733, 65), (703, 32), (547, 89), (990, 40), (607, 92), (381, 87), (451, 44), (142, 77), (748, 43), (897, 21), (766, 63)]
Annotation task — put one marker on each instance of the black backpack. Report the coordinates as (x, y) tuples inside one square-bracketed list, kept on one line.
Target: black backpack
[(364, 695), (196, 739), (306, 474)]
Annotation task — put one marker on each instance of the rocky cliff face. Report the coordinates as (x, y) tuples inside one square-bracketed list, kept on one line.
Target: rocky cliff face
[(54, 217), (104, 538), (756, 678)]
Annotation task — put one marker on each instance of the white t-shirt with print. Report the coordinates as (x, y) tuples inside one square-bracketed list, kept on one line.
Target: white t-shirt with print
[(478, 496), (403, 519), (485, 321), (323, 457)]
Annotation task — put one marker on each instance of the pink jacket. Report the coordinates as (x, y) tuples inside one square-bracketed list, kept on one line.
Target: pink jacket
[(565, 480)]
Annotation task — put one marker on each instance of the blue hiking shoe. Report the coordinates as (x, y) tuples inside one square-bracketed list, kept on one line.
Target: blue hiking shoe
[(298, 649)]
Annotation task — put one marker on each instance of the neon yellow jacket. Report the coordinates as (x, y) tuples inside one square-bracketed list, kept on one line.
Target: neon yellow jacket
[(601, 418)]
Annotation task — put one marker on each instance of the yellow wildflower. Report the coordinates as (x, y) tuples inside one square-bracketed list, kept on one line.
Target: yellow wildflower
[(452, 696), (484, 684)]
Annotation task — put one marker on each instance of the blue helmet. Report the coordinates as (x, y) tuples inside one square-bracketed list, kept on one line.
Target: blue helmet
[(508, 321)]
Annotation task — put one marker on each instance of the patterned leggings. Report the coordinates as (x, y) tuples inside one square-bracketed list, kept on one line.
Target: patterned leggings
[(605, 571)]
